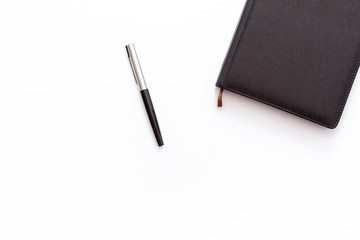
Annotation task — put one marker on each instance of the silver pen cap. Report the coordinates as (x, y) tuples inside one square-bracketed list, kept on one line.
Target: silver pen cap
[(135, 66)]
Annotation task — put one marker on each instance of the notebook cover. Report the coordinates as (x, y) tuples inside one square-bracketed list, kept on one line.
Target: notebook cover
[(300, 56)]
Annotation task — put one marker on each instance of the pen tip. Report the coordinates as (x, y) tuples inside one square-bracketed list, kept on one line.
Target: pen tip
[(159, 140)]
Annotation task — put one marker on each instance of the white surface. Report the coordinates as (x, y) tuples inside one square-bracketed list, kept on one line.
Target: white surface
[(78, 159)]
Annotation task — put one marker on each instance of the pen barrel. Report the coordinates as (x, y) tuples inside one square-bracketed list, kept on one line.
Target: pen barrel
[(152, 116)]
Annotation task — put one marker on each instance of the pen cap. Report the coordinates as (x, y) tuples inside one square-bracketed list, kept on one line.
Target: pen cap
[(135, 66)]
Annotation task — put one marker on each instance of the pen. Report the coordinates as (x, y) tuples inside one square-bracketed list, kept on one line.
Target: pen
[(140, 81)]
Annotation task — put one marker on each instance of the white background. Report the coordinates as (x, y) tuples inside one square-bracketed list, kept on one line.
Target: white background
[(78, 158)]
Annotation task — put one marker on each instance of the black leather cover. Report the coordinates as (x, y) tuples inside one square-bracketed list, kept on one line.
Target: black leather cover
[(300, 56)]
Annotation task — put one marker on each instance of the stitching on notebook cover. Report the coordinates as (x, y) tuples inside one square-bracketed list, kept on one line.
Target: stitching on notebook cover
[(278, 107), (236, 40)]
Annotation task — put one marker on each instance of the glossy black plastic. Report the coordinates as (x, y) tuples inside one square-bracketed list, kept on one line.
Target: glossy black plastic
[(152, 116)]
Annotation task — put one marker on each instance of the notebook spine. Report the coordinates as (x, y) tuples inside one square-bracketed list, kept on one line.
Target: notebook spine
[(235, 41)]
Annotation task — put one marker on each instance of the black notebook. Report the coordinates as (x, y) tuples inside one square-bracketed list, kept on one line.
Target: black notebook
[(300, 56)]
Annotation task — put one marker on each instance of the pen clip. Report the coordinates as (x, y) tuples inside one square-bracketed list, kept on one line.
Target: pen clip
[(133, 71), (135, 67), (132, 65)]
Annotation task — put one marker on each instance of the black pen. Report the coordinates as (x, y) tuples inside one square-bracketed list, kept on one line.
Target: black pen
[(140, 81)]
